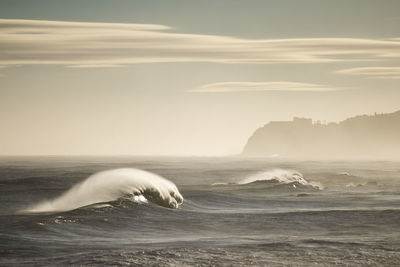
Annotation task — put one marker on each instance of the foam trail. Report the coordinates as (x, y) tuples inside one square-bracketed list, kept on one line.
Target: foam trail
[(113, 184), (281, 176)]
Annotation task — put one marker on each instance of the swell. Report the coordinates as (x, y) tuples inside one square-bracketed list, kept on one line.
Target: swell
[(111, 185), (273, 180)]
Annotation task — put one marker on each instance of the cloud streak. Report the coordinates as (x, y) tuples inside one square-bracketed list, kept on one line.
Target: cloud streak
[(90, 44), (374, 72), (224, 87)]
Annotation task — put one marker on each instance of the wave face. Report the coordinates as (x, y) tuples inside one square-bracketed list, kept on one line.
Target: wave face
[(111, 185), (280, 176)]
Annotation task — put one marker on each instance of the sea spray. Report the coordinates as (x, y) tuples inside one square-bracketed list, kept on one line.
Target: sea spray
[(111, 185)]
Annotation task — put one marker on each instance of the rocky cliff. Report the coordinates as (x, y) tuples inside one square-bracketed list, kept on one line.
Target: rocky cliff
[(376, 136)]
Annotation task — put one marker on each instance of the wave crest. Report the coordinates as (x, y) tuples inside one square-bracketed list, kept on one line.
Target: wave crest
[(111, 185), (280, 176)]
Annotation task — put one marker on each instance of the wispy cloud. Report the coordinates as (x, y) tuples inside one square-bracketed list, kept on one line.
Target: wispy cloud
[(260, 86), (96, 66), (90, 44), (374, 72)]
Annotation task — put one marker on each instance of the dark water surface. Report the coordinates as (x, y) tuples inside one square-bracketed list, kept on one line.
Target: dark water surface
[(236, 212)]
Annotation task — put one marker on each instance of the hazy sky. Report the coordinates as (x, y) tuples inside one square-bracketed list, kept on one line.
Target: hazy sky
[(101, 77)]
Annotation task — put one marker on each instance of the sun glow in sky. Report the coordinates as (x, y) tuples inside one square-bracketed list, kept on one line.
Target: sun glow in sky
[(168, 77)]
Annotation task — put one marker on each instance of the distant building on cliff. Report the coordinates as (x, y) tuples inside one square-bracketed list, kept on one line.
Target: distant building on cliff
[(296, 121)]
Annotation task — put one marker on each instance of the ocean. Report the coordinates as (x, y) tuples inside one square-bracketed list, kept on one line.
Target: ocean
[(148, 211)]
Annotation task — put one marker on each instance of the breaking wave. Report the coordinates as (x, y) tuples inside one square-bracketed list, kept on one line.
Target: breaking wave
[(111, 185), (280, 176)]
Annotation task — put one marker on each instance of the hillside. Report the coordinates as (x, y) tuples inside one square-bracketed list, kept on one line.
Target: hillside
[(376, 136)]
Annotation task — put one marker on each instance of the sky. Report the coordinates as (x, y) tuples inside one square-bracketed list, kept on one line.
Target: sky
[(187, 78)]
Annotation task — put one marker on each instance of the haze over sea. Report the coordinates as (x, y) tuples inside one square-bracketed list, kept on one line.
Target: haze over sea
[(235, 211)]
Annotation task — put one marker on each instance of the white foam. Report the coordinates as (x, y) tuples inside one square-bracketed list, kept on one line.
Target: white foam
[(113, 184)]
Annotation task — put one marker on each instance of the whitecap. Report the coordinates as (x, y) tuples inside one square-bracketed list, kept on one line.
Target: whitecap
[(111, 185)]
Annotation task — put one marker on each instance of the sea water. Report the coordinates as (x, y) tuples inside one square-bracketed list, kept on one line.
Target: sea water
[(198, 211)]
